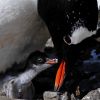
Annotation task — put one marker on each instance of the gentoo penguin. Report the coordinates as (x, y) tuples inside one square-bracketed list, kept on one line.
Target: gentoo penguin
[(21, 31), (70, 22)]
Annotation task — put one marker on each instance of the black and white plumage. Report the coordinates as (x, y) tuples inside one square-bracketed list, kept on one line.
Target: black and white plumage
[(21, 31), (20, 22), (69, 21)]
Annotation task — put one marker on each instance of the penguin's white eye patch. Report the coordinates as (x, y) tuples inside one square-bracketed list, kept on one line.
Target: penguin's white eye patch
[(78, 35), (67, 40), (81, 33)]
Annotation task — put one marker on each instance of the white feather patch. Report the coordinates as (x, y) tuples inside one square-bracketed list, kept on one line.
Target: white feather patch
[(80, 34)]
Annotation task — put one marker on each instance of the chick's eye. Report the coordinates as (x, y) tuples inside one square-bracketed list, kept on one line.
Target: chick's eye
[(67, 40), (40, 60)]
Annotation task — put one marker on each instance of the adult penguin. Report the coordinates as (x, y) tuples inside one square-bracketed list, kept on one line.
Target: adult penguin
[(70, 22)]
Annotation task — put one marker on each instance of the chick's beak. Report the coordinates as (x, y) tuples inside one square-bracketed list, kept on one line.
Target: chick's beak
[(52, 61), (60, 75)]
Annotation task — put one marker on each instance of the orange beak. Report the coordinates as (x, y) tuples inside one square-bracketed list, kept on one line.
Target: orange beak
[(52, 61), (60, 76)]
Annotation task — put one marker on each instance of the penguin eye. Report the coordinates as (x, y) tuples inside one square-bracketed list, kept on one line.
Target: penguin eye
[(67, 40), (40, 60)]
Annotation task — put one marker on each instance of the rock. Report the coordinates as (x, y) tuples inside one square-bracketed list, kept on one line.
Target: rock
[(48, 95), (25, 91), (73, 97), (93, 95)]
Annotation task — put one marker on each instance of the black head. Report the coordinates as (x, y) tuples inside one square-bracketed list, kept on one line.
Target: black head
[(36, 57), (63, 17)]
